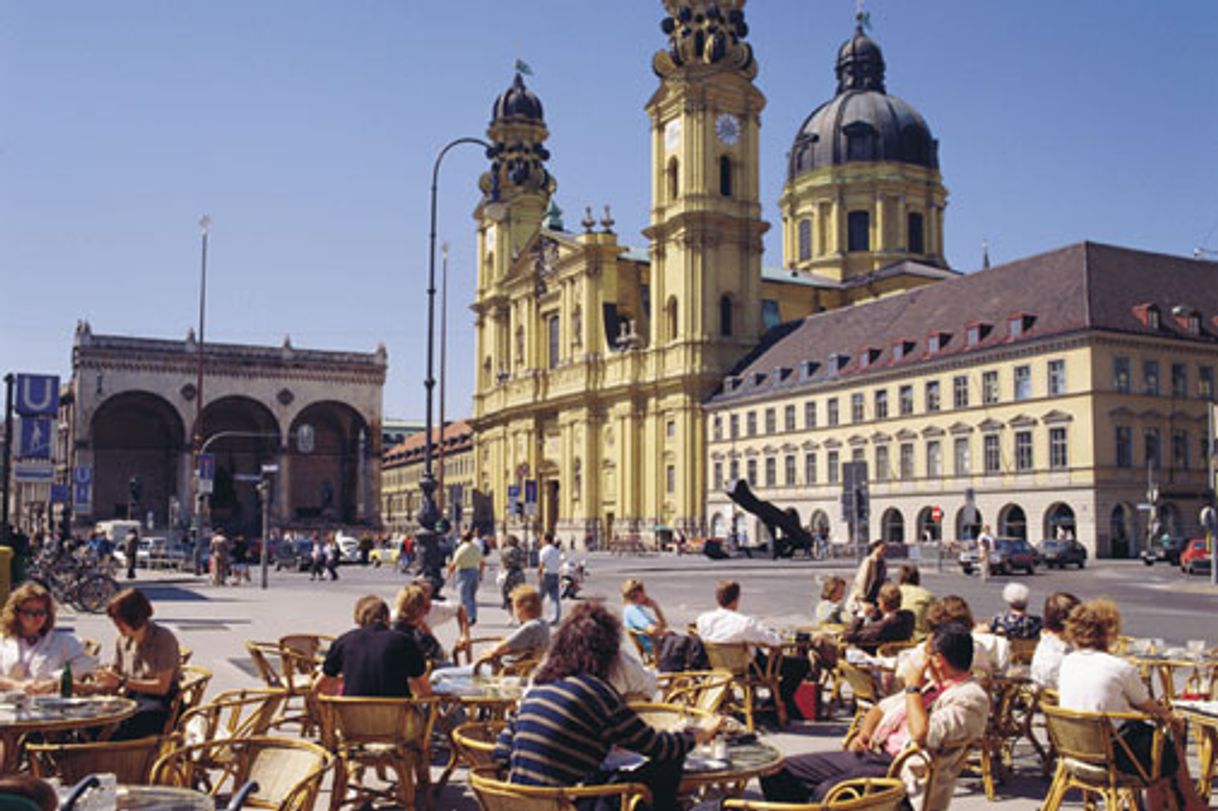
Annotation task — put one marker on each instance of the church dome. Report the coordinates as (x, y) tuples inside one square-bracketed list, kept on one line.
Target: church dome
[(862, 123), (517, 102)]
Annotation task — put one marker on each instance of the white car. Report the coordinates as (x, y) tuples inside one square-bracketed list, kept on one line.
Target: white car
[(348, 548)]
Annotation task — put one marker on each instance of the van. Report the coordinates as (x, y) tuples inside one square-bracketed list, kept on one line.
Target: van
[(117, 529)]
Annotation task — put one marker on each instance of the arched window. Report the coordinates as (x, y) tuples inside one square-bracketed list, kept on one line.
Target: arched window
[(674, 178), (725, 316), (805, 239), (725, 176), (670, 314), (917, 241)]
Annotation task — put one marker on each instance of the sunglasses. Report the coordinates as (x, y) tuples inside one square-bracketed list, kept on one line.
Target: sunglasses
[(32, 612)]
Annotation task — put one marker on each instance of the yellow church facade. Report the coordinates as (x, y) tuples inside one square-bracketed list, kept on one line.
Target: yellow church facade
[(594, 360)]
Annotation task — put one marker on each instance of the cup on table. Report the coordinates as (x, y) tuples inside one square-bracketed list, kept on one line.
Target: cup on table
[(1157, 644), (1196, 647)]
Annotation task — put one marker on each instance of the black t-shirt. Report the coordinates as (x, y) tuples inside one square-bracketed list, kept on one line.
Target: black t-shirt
[(375, 661)]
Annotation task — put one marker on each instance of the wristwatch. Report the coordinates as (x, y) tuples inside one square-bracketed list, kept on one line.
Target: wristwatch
[(911, 690)]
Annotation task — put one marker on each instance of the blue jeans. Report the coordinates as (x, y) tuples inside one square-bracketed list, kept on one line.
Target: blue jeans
[(549, 588), (467, 582)]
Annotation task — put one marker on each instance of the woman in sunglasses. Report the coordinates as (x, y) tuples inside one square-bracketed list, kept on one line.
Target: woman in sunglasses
[(32, 652)]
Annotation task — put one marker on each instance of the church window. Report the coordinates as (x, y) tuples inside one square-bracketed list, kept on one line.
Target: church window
[(771, 316), (860, 141), (674, 179), (805, 239), (917, 242), (670, 313), (553, 325), (725, 316), (858, 226), (725, 176)]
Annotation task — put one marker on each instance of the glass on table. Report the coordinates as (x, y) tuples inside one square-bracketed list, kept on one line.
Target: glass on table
[(1158, 644), (1196, 647)]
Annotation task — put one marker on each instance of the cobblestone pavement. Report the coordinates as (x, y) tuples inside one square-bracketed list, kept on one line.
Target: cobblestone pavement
[(216, 621)]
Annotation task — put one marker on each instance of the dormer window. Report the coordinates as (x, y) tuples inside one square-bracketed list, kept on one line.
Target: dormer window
[(868, 356), (1018, 324), (936, 341), (977, 332), (758, 378), (837, 362), (808, 368), (901, 349), (1188, 318), (1153, 318)]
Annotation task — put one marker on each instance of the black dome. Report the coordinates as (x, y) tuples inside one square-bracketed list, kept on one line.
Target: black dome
[(517, 102), (862, 123)]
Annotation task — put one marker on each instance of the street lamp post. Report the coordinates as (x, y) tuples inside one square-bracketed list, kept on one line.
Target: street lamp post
[(426, 538), (196, 523)]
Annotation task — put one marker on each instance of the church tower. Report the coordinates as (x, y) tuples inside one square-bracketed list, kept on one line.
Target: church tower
[(863, 191), (706, 225)]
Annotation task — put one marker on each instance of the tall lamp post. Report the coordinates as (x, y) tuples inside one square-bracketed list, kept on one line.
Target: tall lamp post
[(426, 539), (196, 500)]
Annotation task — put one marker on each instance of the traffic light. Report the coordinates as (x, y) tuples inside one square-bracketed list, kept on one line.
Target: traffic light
[(861, 507), (135, 487)]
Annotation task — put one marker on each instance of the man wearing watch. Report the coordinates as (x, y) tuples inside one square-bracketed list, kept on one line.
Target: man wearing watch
[(941, 706)]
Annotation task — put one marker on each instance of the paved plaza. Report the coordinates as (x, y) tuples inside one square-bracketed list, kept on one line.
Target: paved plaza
[(215, 622)]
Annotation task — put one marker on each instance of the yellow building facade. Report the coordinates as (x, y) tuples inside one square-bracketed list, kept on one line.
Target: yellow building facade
[(402, 465), (1061, 391), (594, 360)]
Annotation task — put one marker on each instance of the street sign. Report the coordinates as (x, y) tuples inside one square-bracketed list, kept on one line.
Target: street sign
[(206, 487), (207, 467), (530, 497), (513, 498), (34, 471), (936, 514), (60, 493), (270, 470), (35, 438), (82, 490), (82, 475), (37, 395)]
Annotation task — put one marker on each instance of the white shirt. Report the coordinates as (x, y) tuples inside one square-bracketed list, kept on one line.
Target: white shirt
[(630, 677), (991, 654), (724, 626), (440, 613), (1094, 681), (1047, 661), (551, 559), (44, 659)]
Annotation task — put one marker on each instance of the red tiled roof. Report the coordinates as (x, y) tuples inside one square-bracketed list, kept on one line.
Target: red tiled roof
[(457, 436)]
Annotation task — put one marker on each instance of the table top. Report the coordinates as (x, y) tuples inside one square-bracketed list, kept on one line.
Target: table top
[(1202, 711), (480, 687), (53, 712), (744, 761), (162, 798)]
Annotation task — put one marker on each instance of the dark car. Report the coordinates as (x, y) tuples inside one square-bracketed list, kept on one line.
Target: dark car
[(1195, 558), (1165, 548), (295, 555), (1062, 553), (1007, 555)]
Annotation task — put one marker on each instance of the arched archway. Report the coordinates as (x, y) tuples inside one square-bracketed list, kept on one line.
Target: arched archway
[(1123, 530), (967, 530), (892, 525), (328, 476), (718, 526), (928, 531), (136, 434), (1059, 520), (819, 524), (243, 435), (1013, 522)]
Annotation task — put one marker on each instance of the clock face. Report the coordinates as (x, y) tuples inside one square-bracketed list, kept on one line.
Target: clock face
[(727, 127), (672, 134)]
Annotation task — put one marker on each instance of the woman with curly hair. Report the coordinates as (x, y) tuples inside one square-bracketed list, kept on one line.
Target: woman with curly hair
[(572, 716), (32, 652), (1093, 680)]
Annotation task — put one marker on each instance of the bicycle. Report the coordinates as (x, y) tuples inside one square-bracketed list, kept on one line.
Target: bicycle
[(71, 581)]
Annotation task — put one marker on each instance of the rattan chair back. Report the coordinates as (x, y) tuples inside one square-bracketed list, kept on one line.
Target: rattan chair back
[(131, 761), (288, 772), (475, 742), (670, 717), (247, 713), (264, 655), (192, 684), (862, 794), (496, 795)]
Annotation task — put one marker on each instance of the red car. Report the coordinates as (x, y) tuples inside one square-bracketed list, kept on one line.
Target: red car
[(1195, 558)]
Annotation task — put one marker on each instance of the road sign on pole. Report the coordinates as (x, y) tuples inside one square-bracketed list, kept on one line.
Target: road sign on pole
[(37, 395), (35, 438), (936, 514), (530, 497)]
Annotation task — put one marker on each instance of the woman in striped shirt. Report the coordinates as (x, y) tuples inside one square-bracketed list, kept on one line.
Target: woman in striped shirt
[(572, 716)]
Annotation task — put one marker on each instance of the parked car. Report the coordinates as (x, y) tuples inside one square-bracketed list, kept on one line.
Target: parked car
[(1007, 555), (1165, 548), (295, 555), (1062, 553), (348, 548), (1195, 558)]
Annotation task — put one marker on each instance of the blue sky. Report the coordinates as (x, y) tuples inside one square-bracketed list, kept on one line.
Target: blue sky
[(307, 131)]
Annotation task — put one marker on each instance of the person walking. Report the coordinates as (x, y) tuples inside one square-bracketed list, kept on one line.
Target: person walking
[(512, 559), (865, 590), (317, 559), (548, 568), (332, 555), (219, 559), (468, 565), (131, 548), (985, 545)]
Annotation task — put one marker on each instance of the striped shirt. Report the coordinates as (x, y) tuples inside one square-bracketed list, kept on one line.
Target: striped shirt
[(564, 729)]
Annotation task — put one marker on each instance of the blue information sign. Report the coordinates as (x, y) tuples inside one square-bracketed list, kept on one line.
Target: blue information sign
[(37, 395)]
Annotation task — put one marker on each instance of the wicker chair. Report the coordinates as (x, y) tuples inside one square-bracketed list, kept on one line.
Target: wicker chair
[(288, 772), (1087, 743), (703, 689), (747, 676), (247, 713), (465, 647), (646, 644), (866, 794), (496, 795), (670, 717), (889, 650), (474, 742), (263, 654), (862, 687), (184, 654), (385, 733), (191, 687), (130, 760), (1022, 650)]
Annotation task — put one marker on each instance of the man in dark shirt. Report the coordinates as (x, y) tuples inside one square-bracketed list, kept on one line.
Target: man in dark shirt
[(894, 625), (373, 659)]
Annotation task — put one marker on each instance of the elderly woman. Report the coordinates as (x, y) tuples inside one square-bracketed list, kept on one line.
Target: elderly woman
[(33, 652), (572, 716), (1093, 680), (1016, 622), (1053, 645), (146, 665)]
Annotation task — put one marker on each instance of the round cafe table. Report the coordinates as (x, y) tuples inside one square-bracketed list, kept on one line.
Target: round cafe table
[(705, 776), (29, 714), (162, 798), (485, 696)]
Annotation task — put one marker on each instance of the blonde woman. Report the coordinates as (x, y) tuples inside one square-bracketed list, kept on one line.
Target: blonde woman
[(32, 652)]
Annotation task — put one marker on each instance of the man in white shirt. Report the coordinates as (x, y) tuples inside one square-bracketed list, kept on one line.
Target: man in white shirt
[(985, 545), (726, 625), (548, 569)]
